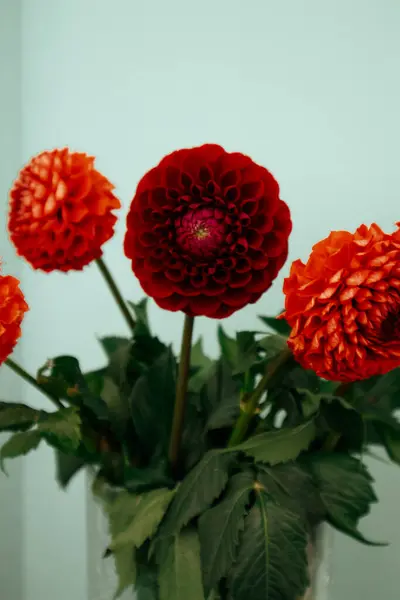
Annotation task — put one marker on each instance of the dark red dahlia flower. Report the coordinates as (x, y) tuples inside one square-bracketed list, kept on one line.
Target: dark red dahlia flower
[(207, 232), (61, 211), (12, 310), (344, 305)]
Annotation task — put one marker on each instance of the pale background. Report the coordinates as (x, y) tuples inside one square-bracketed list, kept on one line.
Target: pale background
[(308, 88)]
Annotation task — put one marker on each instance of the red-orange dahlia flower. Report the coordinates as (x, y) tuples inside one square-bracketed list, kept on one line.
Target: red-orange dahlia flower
[(344, 305), (12, 310), (207, 232), (61, 211)]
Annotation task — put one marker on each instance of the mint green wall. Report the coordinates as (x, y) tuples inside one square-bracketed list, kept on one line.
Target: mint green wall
[(310, 88), (11, 526)]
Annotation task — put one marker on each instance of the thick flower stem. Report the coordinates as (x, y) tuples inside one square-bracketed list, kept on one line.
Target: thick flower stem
[(25, 375), (116, 293), (181, 392), (247, 415)]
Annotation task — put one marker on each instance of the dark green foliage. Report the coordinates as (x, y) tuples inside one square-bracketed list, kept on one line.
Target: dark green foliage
[(346, 490), (272, 559), (152, 403), (220, 528), (278, 325), (232, 520), (198, 490)]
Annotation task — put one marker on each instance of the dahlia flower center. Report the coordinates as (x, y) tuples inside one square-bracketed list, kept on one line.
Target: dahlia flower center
[(201, 231)]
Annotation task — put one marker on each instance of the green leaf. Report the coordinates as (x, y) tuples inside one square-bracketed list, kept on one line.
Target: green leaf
[(18, 445), (197, 491), (220, 527), (148, 511), (144, 479), (272, 345), (146, 587), (391, 439), (180, 571), (142, 326), (67, 465), (67, 381), (292, 486), (117, 405), (247, 351), (341, 418), (17, 417), (63, 429), (152, 403), (112, 344), (380, 393), (202, 365), (272, 562), (222, 397), (274, 447), (228, 346), (310, 402), (94, 381), (279, 325), (346, 490), (125, 566)]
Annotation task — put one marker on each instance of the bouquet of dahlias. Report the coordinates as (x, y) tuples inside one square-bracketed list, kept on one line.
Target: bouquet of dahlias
[(215, 475)]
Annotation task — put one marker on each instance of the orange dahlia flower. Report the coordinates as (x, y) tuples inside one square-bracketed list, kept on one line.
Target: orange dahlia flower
[(61, 211), (344, 305), (12, 310)]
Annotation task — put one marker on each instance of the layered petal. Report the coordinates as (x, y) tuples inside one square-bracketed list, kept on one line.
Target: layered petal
[(344, 305), (12, 310), (207, 231), (61, 211)]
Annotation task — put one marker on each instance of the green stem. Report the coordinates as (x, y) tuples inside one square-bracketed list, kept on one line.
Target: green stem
[(116, 293), (246, 417), (25, 375), (181, 392)]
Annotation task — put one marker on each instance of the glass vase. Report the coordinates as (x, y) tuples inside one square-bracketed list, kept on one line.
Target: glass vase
[(102, 579)]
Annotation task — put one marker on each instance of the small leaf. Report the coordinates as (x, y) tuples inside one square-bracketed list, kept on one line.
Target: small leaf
[(146, 586), (247, 351), (18, 445), (17, 417), (202, 365), (94, 381), (149, 510), (67, 465), (142, 326), (310, 402), (152, 403), (272, 562), (228, 346), (144, 479), (343, 419), (180, 571), (272, 345), (391, 439), (346, 490), (197, 491), (63, 428), (279, 325), (125, 566), (221, 397), (67, 381), (274, 447), (112, 344), (220, 527), (117, 405)]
